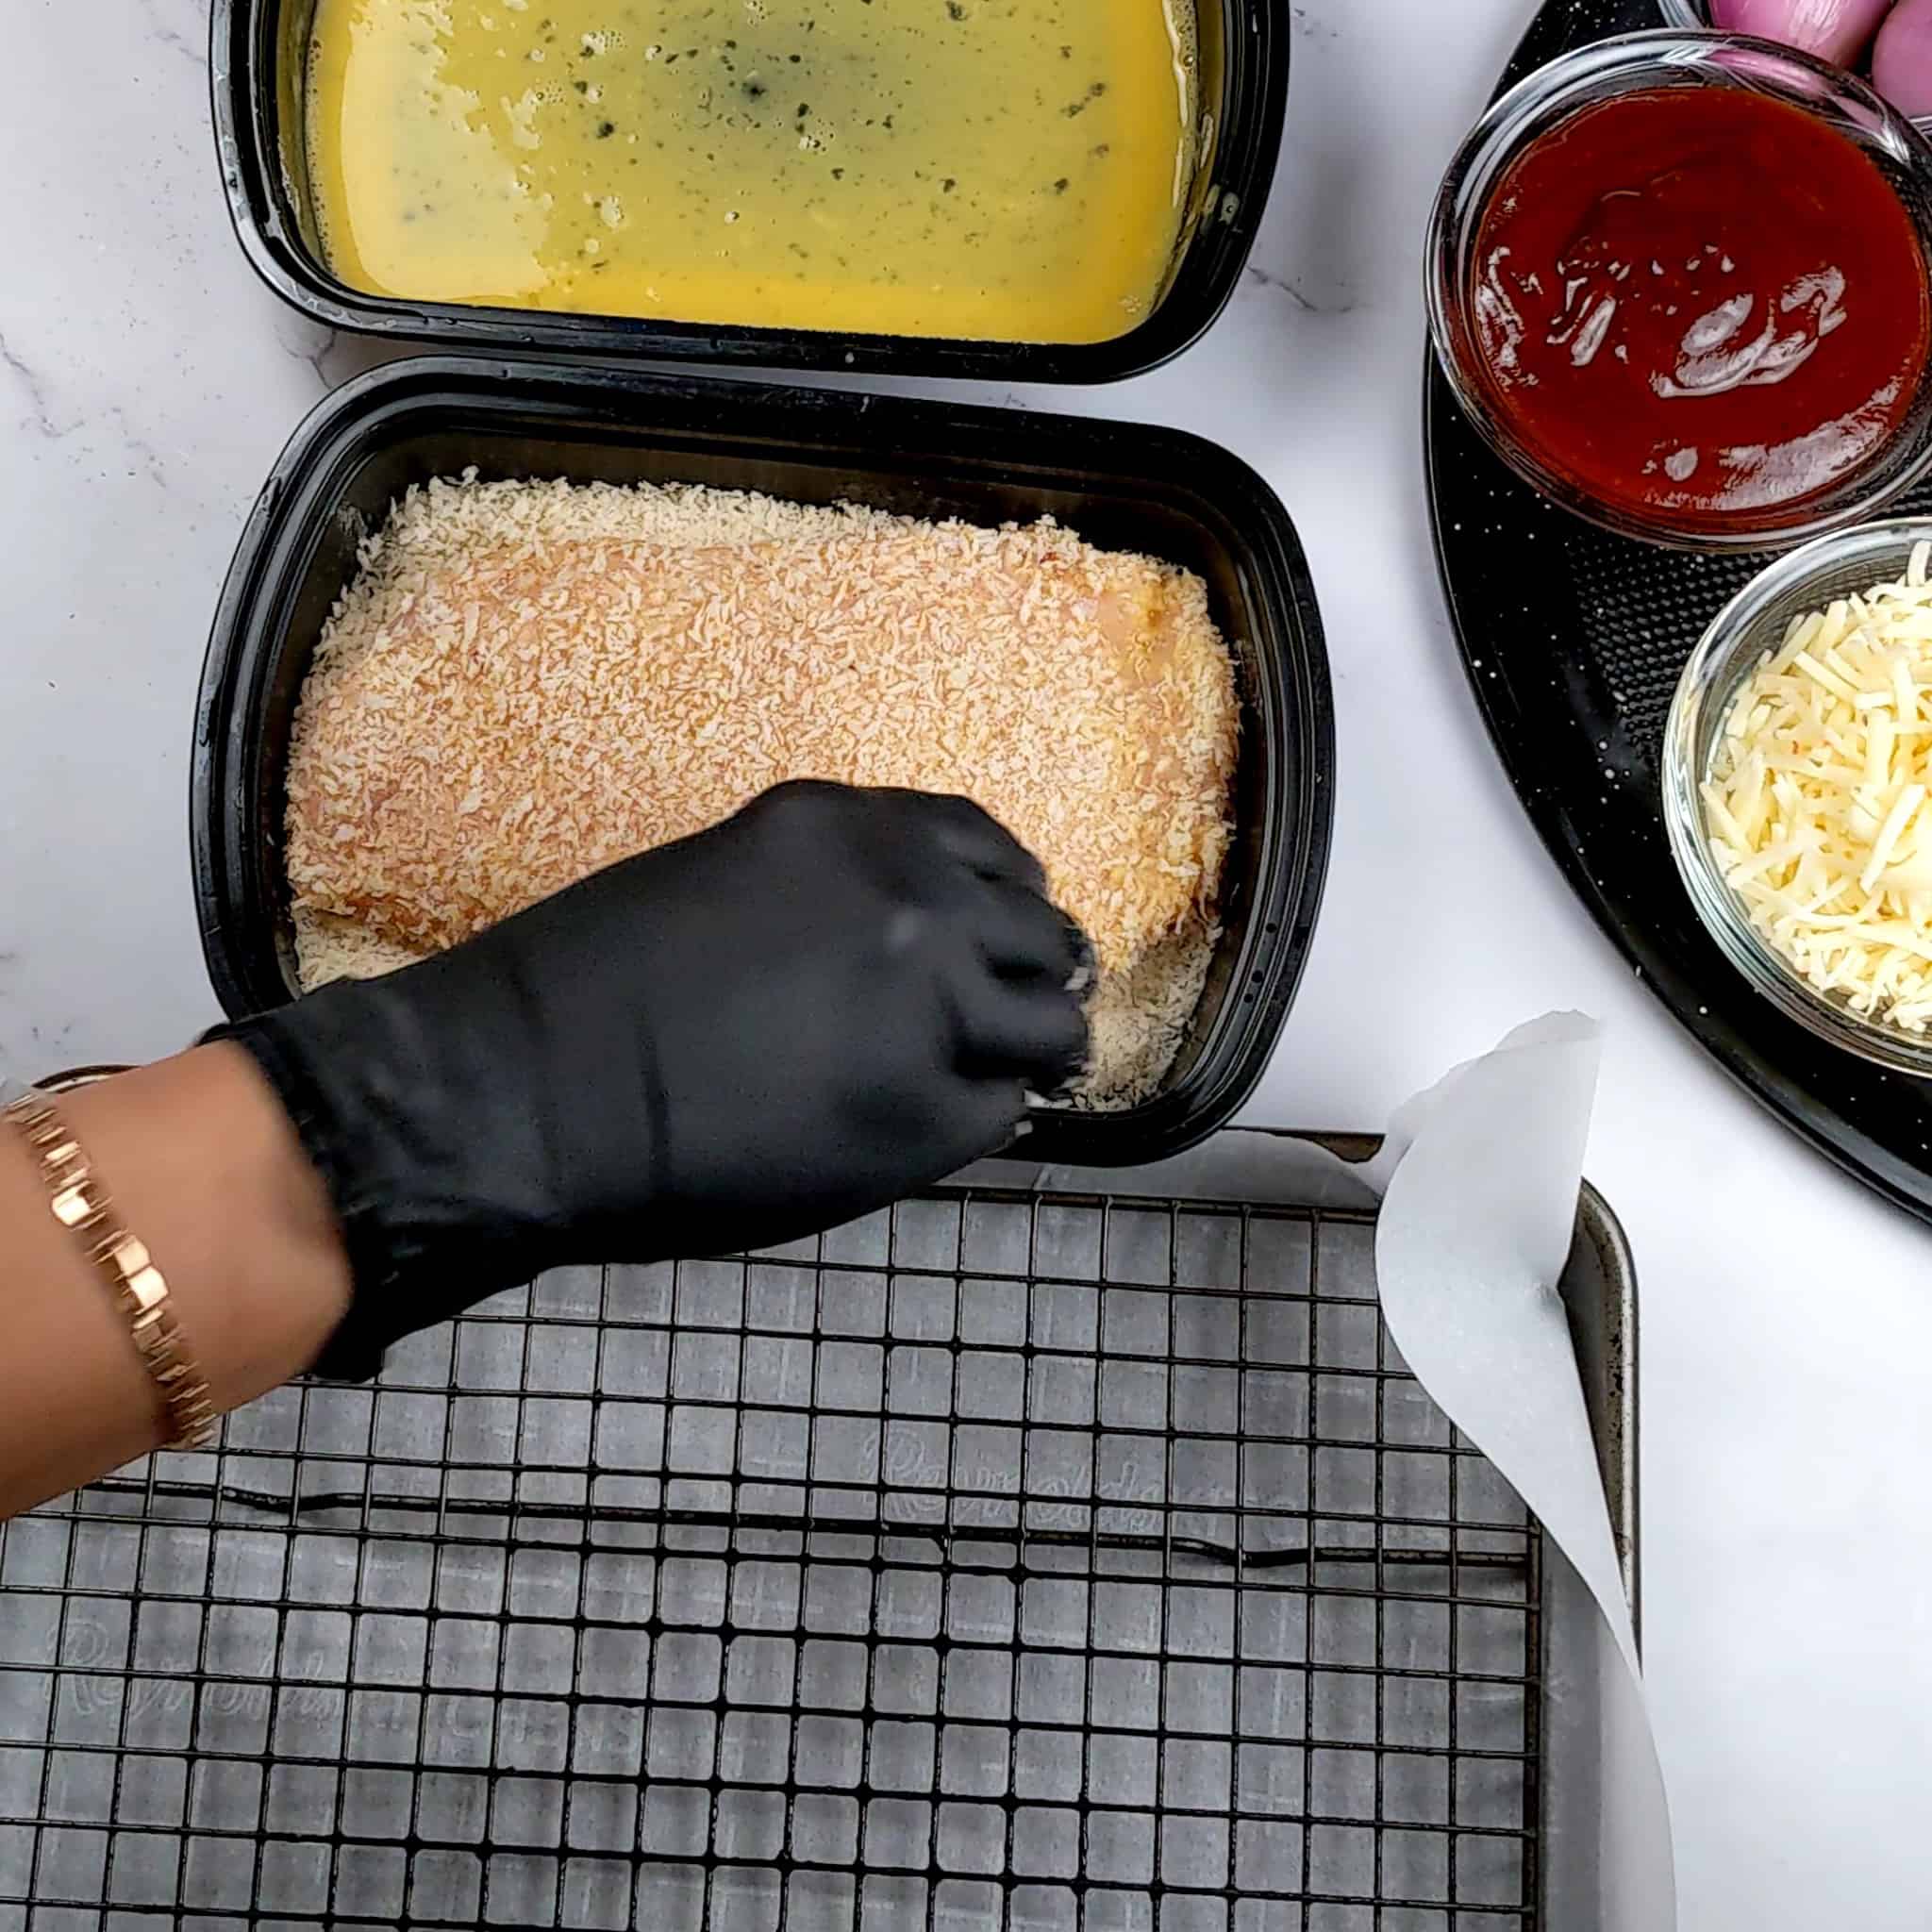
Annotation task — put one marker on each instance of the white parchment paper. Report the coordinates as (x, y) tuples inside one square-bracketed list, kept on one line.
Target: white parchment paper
[(1480, 1178)]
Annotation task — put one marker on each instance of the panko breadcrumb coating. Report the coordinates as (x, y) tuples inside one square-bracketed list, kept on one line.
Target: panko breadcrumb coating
[(529, 681)]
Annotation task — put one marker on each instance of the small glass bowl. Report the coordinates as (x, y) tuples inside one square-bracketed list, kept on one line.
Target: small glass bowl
[(1648, 62), (1754, 623)]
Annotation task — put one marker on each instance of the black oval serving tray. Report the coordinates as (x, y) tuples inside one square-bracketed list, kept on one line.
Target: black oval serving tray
[(1574, 639)]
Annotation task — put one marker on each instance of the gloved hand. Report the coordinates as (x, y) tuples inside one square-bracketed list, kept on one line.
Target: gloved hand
[(808, 1011)]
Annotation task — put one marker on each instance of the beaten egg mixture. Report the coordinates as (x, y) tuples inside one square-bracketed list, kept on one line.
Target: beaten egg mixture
[(1005, 170)]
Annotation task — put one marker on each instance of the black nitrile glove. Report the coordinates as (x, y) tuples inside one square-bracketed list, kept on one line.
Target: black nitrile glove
[(825, 1002)]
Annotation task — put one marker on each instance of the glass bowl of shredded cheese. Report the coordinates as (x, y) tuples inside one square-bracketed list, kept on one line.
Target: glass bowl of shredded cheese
[(1797, 783)]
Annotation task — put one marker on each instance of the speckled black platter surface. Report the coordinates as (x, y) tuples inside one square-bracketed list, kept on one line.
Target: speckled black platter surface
[(1574, 639)]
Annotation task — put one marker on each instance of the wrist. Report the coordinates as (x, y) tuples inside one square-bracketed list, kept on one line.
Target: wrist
[(207, 1169)]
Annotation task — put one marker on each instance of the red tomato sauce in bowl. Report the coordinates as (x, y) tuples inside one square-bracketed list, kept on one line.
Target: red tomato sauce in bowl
[(1700, 305)]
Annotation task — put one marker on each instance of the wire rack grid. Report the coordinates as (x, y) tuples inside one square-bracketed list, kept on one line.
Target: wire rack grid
[(1006, 1560)]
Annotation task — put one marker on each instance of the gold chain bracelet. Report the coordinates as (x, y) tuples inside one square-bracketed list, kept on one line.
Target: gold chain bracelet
[(80, 1203)]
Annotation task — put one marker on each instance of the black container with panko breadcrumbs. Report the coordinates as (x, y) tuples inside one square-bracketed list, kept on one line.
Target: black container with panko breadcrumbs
[(1173, 497)]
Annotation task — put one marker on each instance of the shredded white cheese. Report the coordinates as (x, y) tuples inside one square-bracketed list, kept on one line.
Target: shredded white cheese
[(1817, 802)]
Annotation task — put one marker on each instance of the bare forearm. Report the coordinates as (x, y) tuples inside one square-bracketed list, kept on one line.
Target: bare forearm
[(203, 1166)]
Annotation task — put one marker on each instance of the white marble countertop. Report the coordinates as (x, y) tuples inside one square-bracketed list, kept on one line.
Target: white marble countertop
[(147, 384)]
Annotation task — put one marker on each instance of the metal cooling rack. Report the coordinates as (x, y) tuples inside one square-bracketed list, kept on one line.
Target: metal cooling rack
[(1003, 1561)]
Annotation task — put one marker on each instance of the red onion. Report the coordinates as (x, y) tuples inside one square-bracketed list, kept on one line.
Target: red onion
[(1902, 62), (1837, 30)]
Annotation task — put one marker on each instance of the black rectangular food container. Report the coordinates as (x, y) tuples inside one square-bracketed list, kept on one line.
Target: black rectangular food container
[(258, 52), (1158, 491)]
